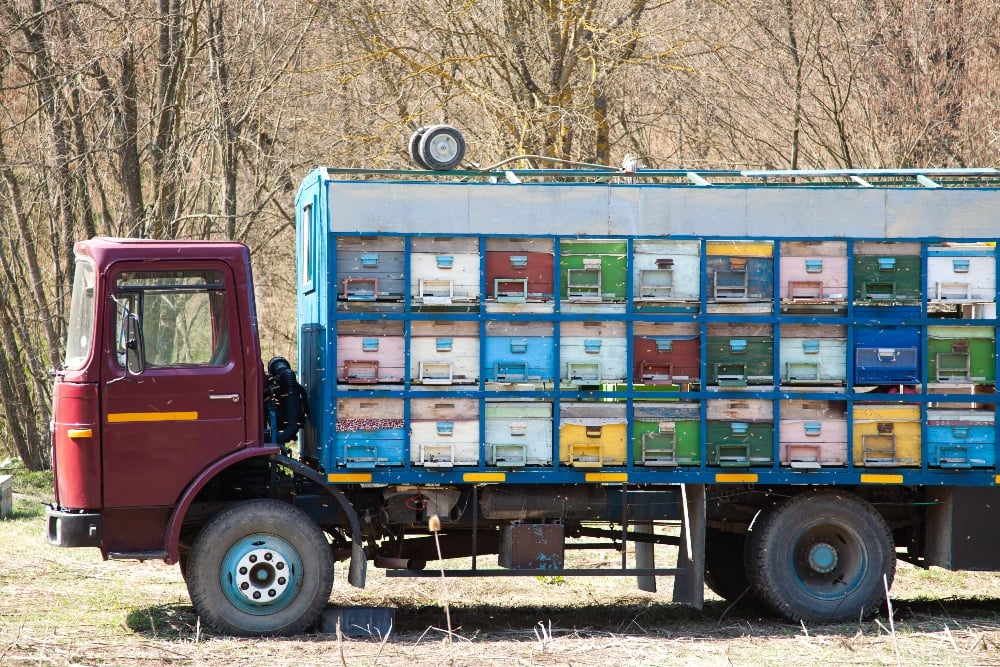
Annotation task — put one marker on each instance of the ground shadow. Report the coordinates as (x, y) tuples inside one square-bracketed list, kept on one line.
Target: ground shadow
[(717, 620)]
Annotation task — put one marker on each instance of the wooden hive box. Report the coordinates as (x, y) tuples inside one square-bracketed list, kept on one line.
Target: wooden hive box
[(887, 272), (813, 273), (592, 273), (444, 352), (519, 272), (370, 353), (812, 433), (444, 273), (518, 433), (961, 438), (666, 273), (665, 354), (444, 433), (592, 353), (886, 354), (739, 271), (519, 353), (961, 273), (592, 435), (961, 354), (739, 355), (813, 354), (886, 435), (739, 432), (370, 273), (667, 434), (369, 433)]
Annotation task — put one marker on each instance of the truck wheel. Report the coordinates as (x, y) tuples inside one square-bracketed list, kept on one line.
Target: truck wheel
[(261, 567), (725, 568), (414, 147), (821, 557), (441, 147)]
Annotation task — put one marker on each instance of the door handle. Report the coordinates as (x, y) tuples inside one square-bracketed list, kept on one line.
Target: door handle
[(235, 398)]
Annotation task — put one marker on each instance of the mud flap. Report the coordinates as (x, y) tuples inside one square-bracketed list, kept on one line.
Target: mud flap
[(689, 586)]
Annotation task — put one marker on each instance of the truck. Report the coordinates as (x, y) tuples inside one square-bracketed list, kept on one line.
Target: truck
[(785, 378)]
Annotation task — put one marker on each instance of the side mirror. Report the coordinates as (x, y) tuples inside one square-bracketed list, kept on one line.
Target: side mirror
[(132, 335)]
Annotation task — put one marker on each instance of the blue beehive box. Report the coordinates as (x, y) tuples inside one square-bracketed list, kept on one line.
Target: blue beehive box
[(886, 354)]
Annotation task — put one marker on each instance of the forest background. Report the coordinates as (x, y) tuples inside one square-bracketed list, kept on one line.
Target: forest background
[(198, 118)]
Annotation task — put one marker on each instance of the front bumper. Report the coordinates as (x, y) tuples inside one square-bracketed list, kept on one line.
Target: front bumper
[(72, 528)]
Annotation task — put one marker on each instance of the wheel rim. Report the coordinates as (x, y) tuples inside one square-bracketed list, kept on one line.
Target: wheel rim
[(261, 574), (442, 147), (828, 560)]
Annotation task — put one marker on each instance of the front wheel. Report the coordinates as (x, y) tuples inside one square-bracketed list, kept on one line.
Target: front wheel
[(821, 557), (260, 568)]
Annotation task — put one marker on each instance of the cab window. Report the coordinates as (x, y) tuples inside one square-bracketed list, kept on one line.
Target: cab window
[(182, 316)]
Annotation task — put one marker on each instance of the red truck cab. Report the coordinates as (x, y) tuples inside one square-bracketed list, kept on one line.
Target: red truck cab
[(160, 388)]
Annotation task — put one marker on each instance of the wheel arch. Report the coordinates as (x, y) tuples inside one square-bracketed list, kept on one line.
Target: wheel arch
[(173, 532)]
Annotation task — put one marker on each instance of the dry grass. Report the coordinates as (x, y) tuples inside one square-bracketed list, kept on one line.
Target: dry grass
[(65, 606)]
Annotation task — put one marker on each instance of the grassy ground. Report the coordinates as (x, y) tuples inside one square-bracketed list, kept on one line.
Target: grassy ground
[(66, 606)]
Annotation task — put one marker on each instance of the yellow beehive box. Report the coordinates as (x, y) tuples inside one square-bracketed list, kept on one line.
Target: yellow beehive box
[(886, 435), (592, 435)]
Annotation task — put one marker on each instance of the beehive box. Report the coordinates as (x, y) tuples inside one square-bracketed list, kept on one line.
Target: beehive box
[(886, 354), (519, 353), (812, 433), (6, 496), (518, 433), (961, 354), (666, 272), (444, 432), (369, 432), (738, 355), (813, 354), (739, 432), (886, 435), (370, 273), (666, 435), (592, 353), (593, 272), (961, 438), (592, 435), (370, 353), (813, 273), (887, 272), (739, 271), (444, 352), (961, 273), (444, 272), (665, 353), (519, 272)]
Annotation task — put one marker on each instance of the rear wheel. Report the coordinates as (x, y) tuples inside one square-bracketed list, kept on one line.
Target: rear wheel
[(821, 557), (414, 146), (260, 568)]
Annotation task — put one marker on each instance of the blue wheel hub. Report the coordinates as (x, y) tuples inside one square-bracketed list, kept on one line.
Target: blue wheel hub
[(261, 574), (822, 557)]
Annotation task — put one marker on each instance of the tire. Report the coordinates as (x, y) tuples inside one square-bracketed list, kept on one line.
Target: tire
[(441, 147), (414, 147), (725, 568), (820, 557), (260, 568)]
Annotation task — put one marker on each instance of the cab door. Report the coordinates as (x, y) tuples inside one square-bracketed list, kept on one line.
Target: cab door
[(173, 386)]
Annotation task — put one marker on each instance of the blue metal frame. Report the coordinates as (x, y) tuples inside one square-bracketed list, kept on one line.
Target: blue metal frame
[(318, 309)]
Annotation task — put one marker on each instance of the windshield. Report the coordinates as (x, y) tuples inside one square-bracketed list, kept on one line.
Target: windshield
[(80, 335)]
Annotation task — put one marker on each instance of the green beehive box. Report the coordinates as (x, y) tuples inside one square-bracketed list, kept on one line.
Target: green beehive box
[(593, 271), (737, 360), (666, 435), (963, 355), (739, 444), (887, 273)]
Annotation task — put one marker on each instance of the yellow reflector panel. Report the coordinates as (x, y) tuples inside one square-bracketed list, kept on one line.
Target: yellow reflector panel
[(607, 477), (347, 477), (485, 477), (881, 479), (735, 478)]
